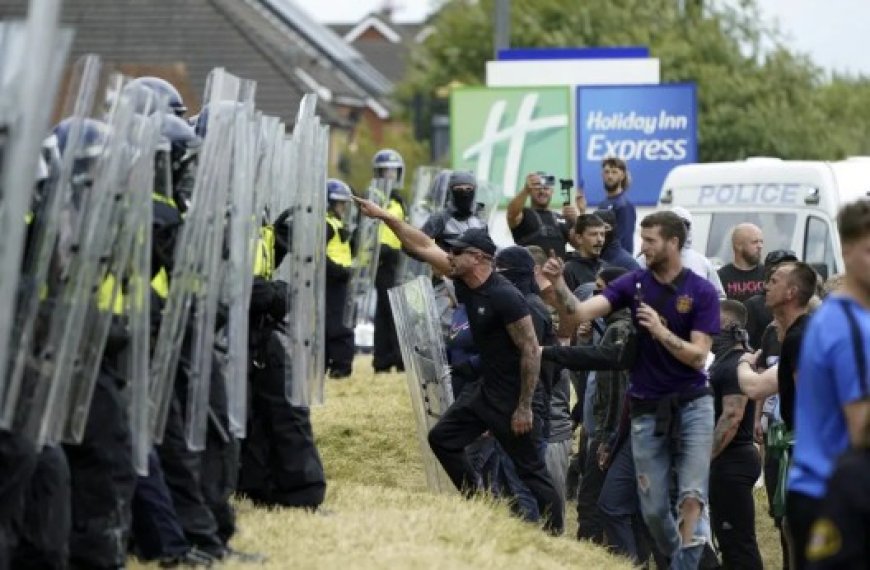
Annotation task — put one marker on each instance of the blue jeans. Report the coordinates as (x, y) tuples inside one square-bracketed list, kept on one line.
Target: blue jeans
[(654, 458)]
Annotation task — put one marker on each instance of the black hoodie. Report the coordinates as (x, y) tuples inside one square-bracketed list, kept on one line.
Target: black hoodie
[(579, 270)]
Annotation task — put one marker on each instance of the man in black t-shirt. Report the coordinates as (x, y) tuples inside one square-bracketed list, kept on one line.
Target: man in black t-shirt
[(736, 464), (744, 277), (538, 225), (504, 336), (758, 313)]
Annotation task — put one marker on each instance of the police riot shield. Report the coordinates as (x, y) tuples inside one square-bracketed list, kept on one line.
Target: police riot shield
[(131, 171), (32, 56), (304, 267), (137, 306), (230, 114), (428, 195), (361, 288), (426, 368), (249, 131), (193, 293)]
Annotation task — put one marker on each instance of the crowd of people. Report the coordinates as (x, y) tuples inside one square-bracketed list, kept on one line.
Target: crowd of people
[(690, 382)]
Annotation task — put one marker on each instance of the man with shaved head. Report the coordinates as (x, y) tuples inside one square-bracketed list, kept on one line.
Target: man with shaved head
[(744, 277)]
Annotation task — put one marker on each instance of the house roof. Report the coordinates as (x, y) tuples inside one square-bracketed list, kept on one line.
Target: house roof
[(184, 40), (386, 45)]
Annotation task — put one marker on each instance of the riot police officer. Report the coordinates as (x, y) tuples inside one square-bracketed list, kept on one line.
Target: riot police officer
[(388, 165), (339, 338)]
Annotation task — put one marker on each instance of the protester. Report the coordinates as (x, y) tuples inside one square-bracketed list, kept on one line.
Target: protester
[(667, 376), (736, 464), (614, 174), (744, 277), (537, 224), (505, 337), (833, 402)]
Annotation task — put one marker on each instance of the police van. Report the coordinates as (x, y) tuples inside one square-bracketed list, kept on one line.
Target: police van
[(795, 203)]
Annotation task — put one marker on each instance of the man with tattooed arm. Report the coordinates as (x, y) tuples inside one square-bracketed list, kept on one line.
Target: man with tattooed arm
[(505, 338)]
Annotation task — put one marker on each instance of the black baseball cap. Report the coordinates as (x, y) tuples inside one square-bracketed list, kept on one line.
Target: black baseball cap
[(515, 259), (778, 256), (477, 238)]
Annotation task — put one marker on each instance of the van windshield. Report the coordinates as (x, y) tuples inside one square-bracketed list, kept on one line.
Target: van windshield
[(778, 231)]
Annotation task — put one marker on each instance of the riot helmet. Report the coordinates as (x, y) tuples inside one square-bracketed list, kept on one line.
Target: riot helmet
[(91, 138), (338, 194), (165, 89), (387, 163)]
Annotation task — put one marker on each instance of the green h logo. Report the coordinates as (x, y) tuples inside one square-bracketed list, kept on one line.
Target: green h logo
[(503, 133)]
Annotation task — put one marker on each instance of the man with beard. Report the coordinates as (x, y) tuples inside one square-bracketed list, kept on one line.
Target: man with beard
[(583, 264), (744, 277), (613, 252), (614, 173), (538, 225), (676, 313), (692, 259), (736, 464), (504, 335)]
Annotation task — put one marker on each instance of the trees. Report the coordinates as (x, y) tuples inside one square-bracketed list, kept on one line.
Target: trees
[(755, 96)]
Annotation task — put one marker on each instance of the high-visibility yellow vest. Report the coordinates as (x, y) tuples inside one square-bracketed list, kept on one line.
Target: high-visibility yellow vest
[(104, 296), (160, 283), (387, 237), (264, 257), (336, 249)]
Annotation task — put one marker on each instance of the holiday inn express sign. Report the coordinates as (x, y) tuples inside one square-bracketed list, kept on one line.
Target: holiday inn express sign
[(501, 134)]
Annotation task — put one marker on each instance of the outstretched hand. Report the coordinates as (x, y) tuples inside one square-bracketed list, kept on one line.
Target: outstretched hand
[(553, 267), (369, 208)]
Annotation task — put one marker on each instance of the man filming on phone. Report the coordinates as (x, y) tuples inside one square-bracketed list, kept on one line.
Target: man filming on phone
[(537, 224)]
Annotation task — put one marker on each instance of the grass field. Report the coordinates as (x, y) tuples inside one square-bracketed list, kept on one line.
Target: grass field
[(378, 513)]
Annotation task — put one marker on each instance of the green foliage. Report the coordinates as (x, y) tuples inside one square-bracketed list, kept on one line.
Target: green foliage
[(397, 136), (751, 101)]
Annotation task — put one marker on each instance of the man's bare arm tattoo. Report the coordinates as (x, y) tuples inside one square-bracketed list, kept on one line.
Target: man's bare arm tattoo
[(566, 298), (733, 408), (523, 334)]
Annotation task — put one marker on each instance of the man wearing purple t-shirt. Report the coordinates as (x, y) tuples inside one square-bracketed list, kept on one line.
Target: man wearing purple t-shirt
[(675, 312)]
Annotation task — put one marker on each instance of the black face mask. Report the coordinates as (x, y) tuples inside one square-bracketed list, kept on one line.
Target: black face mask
[(463, 201), (730, 338)]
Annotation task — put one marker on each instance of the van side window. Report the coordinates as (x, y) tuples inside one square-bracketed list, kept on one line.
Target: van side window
[(818, 248), (778, 231)]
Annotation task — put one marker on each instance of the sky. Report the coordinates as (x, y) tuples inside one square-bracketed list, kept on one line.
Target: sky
[(834, 33)]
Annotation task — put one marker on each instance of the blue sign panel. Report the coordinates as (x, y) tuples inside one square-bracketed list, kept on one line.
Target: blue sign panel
[(619, 52), (653, 128)]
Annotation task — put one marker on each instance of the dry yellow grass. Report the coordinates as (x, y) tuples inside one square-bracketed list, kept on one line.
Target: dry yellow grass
[(378, 513)]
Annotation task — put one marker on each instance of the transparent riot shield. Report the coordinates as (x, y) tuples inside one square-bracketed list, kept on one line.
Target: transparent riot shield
[(138, 301), (242, 233), (230, 115), (427, 195), (196, 276), (32, 56), (365, 263), (304, 268), (426, 369), (131, 181)]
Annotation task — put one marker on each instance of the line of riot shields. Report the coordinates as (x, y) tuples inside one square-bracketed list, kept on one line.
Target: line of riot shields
[(76, 208)]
